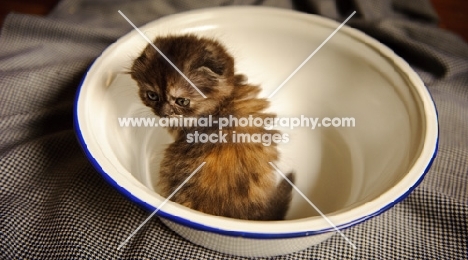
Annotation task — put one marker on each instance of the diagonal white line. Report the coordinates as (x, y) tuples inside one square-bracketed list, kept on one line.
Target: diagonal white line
[(310, 56), (313, 205), (160, 206), (162, 54)]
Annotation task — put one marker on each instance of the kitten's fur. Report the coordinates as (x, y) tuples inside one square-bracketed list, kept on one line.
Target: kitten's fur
[(237, 181)]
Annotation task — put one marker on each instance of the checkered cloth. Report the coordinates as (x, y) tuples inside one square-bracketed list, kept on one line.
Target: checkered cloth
[(55, 205)]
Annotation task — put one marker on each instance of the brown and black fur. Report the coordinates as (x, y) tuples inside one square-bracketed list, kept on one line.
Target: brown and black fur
[(237, 181)]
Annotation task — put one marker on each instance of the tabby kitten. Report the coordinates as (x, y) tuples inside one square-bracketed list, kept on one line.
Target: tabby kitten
[(237, 181)]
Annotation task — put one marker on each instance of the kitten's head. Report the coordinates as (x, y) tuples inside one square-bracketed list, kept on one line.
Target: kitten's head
[(204, 61)]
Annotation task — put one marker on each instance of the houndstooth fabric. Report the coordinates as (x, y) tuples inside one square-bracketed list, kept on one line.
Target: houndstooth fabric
[(55, 205)]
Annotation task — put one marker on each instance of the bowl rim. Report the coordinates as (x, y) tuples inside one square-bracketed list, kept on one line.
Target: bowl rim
[(422, 163)]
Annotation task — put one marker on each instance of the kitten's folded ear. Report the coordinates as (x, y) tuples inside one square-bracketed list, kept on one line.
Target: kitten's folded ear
[(211, 57), (209, 72), (216, 66)]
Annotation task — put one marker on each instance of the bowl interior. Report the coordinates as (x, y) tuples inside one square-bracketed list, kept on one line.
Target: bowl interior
[(351, 77)]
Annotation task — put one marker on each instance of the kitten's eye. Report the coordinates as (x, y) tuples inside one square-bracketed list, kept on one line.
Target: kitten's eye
[(152, 95), (183, 102)]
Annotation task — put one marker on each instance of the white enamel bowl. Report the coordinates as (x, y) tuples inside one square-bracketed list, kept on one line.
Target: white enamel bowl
[(350, 173)]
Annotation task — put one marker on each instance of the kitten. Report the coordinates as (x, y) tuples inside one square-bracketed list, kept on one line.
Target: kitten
[(237, 181)]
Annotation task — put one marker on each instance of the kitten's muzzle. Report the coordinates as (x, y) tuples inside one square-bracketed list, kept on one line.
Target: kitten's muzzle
[(167, 111)]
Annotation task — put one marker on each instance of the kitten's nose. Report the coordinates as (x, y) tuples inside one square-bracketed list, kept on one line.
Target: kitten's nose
[(166, 110)]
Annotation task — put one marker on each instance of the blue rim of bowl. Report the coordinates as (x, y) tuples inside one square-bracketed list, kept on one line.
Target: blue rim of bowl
[(201, 227)]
